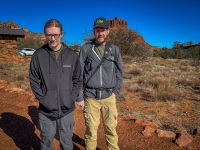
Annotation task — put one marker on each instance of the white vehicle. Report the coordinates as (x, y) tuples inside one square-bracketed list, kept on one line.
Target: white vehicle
[(26, 51)]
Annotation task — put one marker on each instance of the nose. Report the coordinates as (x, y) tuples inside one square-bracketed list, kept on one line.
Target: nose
[(100, 33), (52, 37)]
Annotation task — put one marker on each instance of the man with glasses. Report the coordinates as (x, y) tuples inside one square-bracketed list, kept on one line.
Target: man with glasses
[(55, 79)]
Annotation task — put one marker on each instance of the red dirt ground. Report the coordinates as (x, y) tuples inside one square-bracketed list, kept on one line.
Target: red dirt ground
[(19, 123), (19, 127)]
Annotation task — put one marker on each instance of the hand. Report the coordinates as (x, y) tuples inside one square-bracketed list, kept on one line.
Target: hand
[(81, 103)]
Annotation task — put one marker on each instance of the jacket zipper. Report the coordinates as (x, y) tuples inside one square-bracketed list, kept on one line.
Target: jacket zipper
[(112, 66), (58, 88), (101, 81)]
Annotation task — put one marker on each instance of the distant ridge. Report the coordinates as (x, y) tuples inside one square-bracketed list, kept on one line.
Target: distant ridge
[(113, 25), (28, 34), (117, 23)]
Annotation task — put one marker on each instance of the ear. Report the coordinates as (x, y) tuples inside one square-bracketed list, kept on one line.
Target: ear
[(62, 34), (108, 31)]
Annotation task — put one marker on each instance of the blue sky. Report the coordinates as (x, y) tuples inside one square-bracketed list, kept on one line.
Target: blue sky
[(160, 22)]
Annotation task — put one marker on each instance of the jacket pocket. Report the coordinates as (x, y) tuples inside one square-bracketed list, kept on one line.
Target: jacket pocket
[(109, 75), (66, 100), (50, 101), (88, 65)]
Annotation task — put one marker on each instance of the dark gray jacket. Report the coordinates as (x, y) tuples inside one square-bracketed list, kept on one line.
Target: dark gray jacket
[(107, 79), (55, 83)]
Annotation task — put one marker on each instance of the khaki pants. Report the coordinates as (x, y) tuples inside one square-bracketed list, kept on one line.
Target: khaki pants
[(92, 112)]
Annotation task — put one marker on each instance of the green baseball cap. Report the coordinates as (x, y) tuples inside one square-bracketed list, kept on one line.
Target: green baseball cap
[(100, 22)]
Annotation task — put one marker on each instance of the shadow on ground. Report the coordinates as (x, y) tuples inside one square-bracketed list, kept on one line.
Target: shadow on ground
[(21, 130)]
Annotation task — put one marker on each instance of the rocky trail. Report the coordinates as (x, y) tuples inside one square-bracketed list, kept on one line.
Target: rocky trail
[(19, 127)]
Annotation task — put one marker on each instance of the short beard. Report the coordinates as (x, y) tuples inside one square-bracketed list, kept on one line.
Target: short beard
[(104, 41)]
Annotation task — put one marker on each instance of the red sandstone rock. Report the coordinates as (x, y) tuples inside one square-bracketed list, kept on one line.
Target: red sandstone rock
[(167, 134)]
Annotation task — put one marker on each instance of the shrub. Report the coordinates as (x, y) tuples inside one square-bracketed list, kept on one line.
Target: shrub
[(135, 71)]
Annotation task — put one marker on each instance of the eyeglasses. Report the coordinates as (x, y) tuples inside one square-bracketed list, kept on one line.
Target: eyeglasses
[(49, 36)]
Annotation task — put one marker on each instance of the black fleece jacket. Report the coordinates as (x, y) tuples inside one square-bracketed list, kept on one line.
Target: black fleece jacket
[(55, 83)]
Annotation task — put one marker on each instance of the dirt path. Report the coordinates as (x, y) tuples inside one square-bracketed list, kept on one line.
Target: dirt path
[(19, 128)]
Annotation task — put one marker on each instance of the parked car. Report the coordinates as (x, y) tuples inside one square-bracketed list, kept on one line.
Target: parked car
[(26, 51)]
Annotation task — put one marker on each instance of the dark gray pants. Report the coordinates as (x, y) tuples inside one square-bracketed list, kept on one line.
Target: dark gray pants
[(49, 126)]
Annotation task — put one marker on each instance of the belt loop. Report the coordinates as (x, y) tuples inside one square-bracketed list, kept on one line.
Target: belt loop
[(97, 93)]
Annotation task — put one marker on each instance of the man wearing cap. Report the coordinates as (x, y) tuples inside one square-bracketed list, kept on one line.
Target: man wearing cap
[(102, 75)]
